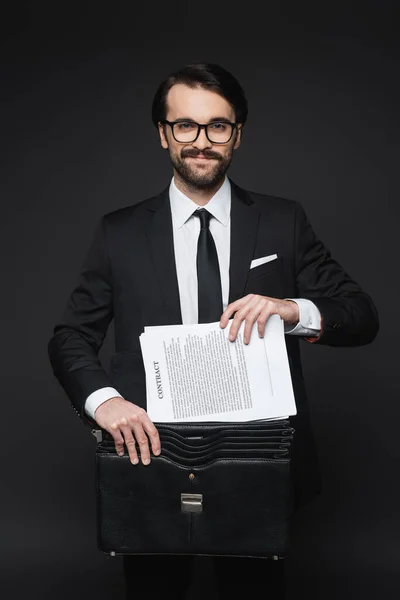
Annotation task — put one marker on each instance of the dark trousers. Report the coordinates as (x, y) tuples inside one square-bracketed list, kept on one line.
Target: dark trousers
[(160, 576)]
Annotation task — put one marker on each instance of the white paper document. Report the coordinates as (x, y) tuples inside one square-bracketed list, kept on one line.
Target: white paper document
[(195, 373)]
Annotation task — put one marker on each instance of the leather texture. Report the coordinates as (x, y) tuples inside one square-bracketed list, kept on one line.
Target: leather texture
[(241, 470)]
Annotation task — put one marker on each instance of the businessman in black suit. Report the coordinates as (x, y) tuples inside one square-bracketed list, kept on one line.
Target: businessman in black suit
[(143, 269)]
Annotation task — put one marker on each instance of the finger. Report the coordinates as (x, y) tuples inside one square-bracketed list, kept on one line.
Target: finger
[(119, 442), (232, 308), (236, 323), (226, 315), (262, 320), (153, 435), (141, 439), (251, 318), (130, 444), (240, 316), (118, 439), (150, 430)]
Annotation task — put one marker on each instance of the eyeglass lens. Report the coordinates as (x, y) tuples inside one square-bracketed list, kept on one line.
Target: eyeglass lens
[(220, 133)]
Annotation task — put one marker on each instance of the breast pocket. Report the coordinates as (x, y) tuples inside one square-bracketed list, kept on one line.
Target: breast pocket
[(265, 269), (267, 279)]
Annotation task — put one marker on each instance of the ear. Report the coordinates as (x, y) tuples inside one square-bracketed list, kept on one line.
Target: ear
[(238, 136), (163, 137)]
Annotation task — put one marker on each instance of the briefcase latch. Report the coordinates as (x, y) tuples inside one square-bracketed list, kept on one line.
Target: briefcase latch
[(98, 434), (192, 502)]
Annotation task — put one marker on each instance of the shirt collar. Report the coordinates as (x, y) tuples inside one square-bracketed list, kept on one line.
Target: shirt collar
[(183, 207)]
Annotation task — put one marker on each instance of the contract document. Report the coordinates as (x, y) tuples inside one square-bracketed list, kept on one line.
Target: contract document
[(195, 373)]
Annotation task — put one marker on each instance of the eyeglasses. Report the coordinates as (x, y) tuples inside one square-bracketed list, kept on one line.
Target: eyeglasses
[(186, 132)]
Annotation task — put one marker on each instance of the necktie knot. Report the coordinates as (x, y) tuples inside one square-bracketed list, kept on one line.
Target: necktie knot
[(204, 217)]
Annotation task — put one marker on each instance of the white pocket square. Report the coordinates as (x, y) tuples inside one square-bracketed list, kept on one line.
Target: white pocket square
[(260, 261)]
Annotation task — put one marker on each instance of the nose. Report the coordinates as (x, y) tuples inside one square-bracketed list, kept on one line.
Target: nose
[(202, 141)]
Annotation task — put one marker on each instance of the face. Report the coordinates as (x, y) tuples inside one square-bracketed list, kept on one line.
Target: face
[(200, 164)]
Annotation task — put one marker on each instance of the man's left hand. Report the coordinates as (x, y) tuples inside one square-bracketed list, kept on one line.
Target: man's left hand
[(254, 307)]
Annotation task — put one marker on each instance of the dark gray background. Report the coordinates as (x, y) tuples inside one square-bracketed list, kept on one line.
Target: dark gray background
[(322, 85)]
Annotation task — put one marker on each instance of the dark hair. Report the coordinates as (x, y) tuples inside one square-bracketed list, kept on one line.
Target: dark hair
[(207, 76)]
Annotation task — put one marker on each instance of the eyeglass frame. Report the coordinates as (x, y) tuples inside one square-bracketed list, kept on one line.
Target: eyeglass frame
[(200, 126)]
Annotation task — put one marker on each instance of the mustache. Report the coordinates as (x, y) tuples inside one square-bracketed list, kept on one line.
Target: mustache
[(193, 153)]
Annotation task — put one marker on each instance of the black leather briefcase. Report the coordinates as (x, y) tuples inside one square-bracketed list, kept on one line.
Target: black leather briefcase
[(215, 489)]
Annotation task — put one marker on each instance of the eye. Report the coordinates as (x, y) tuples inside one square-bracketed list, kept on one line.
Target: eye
[(220, 127), (185, 126)]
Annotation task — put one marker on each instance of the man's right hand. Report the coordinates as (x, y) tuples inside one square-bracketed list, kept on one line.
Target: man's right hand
[(129, 423)]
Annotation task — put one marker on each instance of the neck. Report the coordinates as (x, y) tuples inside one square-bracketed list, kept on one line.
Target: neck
[(198, 195)]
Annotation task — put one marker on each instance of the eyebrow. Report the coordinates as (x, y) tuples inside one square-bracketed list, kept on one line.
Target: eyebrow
[(213, 120)]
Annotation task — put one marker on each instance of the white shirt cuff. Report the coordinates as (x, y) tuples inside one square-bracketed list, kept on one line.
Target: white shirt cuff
[(98, 397), (309, 324)]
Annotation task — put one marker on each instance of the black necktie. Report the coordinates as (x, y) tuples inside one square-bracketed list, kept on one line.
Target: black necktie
[(208, 275)]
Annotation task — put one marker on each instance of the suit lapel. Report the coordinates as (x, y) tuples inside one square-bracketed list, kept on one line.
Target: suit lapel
[(161, 246), (244, 229)]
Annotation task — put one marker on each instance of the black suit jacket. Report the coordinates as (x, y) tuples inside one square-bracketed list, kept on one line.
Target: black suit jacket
[(129, 275)]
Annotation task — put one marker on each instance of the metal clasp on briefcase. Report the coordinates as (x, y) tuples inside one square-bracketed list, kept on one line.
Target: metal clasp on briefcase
[(98, 434), (191, 502)]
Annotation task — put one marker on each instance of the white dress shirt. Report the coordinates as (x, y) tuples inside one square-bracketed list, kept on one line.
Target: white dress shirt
[(186, 230)]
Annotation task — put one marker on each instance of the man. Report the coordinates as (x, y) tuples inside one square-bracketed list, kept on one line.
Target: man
[(145, 268)]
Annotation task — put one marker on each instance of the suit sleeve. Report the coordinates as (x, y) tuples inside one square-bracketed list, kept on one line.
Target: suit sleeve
[(78, 336), (348, 314)]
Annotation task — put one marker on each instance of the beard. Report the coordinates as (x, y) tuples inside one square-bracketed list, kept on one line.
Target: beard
[(204, 178)]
